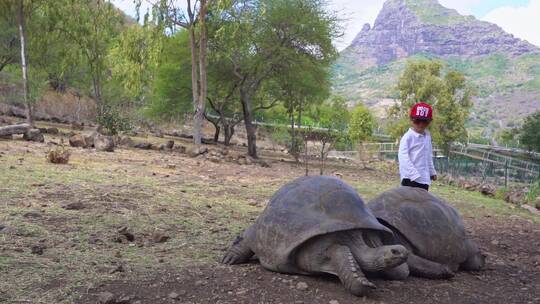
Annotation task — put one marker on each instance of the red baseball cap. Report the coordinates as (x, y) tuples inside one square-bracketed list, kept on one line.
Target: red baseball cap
[(422, 111)]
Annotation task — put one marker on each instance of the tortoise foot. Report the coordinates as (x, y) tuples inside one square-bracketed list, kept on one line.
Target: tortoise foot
[(349, 272), (238, 253)]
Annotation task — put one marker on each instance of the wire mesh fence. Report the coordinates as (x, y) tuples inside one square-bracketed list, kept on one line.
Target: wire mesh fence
[(482, 166), (502, 172)]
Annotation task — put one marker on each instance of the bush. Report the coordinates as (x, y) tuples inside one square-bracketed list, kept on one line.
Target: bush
[(59, 155), (115, 122), (534, 192)]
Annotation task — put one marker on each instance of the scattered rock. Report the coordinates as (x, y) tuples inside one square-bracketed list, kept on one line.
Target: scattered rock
[(157, 147), (52, 131), (515, 197), (118, 268), (302, 286), (33, 135), (7, 230), (126, 141), (173, 295), (488, 190), (531, 209), (196, 151), (263, 163), (159, 237), (78, 141), (104, 143), (37, 249), (106, 298), (77, 126), (94, 240), (74, 206), (124, 300), (333, 302), (143, 145), (180, 149), (124, 231), (32, 215), (214, 159)]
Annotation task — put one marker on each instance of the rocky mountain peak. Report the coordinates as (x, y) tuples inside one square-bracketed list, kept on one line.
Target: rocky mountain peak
[(407, 27)]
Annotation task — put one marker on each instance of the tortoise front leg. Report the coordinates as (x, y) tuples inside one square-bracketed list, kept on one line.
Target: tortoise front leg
[(239, 252), (421, 267), (348, 271)]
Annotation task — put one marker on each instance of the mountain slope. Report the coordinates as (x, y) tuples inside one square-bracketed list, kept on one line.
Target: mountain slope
[(505, 69)]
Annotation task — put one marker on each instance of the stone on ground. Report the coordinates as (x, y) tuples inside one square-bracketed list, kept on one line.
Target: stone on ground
[(104, 143), (33, 135), (106, 298)]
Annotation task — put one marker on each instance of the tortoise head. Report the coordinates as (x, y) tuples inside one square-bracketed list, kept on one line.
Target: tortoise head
[(371, 254)]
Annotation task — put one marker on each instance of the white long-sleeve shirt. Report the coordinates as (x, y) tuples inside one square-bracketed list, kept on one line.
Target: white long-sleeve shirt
[(416, 157)]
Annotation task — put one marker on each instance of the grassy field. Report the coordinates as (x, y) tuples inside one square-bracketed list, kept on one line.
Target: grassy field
[(199, 205)]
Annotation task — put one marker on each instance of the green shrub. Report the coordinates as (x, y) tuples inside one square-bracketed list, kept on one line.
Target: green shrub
[(114, 121), (534, 192)]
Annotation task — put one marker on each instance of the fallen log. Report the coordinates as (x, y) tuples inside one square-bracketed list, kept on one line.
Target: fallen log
[(14, 129)]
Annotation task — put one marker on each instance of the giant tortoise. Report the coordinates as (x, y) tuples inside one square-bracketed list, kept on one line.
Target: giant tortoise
[(316, 225), (431, 230)]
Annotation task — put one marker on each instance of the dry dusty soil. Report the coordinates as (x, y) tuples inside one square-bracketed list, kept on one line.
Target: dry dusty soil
[(137, 226)]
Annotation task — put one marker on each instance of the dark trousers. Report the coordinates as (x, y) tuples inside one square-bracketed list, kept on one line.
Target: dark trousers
[(409, 183)]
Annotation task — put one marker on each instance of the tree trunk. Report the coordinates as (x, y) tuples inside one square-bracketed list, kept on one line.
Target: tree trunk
[(321, 171), (216, 133), (229, 132), (14, 129), (194, 74), (294, 146), (193, 47), (199, 111), (22, 36), (251, 129)]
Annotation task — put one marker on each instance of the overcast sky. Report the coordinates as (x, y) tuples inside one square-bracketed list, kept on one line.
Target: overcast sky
[(519, 17)]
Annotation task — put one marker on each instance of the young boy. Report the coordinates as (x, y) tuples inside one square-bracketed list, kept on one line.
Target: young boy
[(415, 150)]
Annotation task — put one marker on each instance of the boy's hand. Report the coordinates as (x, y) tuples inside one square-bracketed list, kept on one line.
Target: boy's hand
[(434, 177)]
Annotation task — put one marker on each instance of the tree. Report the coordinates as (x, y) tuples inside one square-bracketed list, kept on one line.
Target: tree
[(529, 133), (189, 18), (22, 40), (263, 39), (134, 57), (171, 95), (92, 25), (334, 116), (8, 38), (361, 124), (303, 85), (450, 95), (222, 97)]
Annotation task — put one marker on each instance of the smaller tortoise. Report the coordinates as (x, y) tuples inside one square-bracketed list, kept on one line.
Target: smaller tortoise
[(430, 229), (316, 225)]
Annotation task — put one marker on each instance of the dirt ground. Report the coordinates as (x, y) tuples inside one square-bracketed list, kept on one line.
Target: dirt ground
[(150, 227)]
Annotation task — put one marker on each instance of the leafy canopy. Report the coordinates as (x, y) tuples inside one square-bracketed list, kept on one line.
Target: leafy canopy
[(529, 133), (449, 94), (361, 125)]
